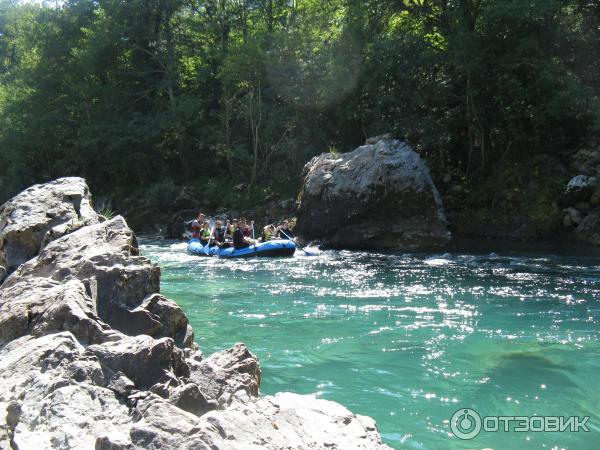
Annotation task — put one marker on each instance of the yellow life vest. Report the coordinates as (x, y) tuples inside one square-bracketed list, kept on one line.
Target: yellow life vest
[(268, 233)]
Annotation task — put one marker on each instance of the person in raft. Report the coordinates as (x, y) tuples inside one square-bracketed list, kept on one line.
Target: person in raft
[(284, 231), (268, 232), (205, 233), (220, 234), (229, 230), (239, 239), (247, 230), (197, 226)]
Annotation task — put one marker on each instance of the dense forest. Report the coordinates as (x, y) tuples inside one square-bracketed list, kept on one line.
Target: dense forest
[(145, 96)]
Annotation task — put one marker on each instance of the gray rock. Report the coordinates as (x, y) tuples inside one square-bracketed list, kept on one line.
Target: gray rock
[(288, 421), (189, 398), (45, 406), (39, 306), (579, 189), (229, 375), (173, 321), (105, 257), (161, 425), (588, 230), (41, 214), (379, 196), (3, 274), (567, 222), (281, 421), (575, 215), (144, 360), (113, 443)]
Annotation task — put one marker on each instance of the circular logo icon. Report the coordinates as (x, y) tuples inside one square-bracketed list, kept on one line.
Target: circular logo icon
[(465, 424)]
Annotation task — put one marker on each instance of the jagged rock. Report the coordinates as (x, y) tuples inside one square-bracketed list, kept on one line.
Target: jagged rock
[(281, 421), (113, 443), (567, 222), (3, 274), (47, 407), (287, 421), (144, 360), (105, 257), (39, 306), (227, 375), (588, 230), (39, 215), (189, 398), (173, 321), (379, 196), (161, 425), (579, 189)]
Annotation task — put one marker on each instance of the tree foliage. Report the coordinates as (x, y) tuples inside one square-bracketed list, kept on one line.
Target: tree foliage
[(130, 94)]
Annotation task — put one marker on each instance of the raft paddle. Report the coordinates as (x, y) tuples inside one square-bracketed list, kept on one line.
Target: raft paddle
[(205, 249)]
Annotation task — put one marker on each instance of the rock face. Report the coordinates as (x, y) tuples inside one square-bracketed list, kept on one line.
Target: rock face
[(581, 202), (588, 230), (92, 356), (379, 196), (41, 214)]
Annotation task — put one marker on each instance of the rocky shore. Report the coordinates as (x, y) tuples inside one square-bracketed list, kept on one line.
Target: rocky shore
[(92, 356)]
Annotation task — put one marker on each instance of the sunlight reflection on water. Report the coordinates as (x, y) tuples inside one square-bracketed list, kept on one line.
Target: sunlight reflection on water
[(408, 339)]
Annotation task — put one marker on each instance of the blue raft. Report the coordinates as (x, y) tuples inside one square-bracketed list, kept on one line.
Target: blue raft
[(276, 248)]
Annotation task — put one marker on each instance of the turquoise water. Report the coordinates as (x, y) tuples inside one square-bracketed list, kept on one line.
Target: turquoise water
[(410, 339)]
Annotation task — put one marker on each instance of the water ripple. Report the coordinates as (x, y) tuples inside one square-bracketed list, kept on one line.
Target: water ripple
[(408, 339)]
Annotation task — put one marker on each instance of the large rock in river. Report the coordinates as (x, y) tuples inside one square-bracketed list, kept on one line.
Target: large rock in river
[(41, 214), (379, 196)]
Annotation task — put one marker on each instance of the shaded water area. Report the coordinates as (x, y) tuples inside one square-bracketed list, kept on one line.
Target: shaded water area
[(410, 339)]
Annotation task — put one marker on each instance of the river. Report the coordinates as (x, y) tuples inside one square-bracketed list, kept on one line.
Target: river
[(410, 339)]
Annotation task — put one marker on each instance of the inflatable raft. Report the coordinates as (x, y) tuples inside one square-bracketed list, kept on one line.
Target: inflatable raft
[(276, 248)]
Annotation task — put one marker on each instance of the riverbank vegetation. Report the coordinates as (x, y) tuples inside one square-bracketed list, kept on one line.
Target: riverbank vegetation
[(146, 96)]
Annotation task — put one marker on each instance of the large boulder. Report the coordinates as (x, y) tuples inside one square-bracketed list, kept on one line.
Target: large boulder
[(379, 196), (39, 215)]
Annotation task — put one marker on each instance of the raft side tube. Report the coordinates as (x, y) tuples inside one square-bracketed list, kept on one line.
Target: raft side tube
[(269, 249)]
